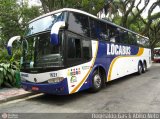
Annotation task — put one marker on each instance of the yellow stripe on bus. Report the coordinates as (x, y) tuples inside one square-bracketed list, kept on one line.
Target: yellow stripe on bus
[(85, 77), (140, 52)]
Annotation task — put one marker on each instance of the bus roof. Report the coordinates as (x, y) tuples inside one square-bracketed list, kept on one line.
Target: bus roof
[(83, 12), (157, 48)]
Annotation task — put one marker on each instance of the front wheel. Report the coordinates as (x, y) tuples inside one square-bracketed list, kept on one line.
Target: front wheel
[(96, 81)]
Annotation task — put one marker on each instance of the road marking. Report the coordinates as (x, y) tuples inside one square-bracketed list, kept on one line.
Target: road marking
[(23, 99)]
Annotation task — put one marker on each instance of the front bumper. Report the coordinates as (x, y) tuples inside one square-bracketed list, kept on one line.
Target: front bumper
[(58, 88)]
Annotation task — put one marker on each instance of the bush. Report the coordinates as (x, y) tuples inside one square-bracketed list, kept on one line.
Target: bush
[(9, 75)]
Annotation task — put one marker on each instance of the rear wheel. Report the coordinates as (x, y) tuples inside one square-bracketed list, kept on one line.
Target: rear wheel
[(140, 68), (96, 81), (144, 67)]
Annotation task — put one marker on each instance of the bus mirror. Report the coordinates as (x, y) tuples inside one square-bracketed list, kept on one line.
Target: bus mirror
[(11, 40), (55, 30)]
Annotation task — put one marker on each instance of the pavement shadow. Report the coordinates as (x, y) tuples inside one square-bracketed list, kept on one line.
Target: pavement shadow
[(60, 99)]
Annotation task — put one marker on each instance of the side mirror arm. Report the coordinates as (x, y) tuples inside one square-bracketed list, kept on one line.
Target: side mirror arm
[(10, 42), (55, 30)]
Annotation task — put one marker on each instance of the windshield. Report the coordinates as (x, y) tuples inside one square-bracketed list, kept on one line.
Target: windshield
[(156, 55), (45, 23), (38, 52), (156, 52)]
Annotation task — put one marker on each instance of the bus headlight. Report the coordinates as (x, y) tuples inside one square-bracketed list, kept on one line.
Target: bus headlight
[(56, 80)]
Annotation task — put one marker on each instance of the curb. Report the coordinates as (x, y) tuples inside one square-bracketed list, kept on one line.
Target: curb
[(16, 97)]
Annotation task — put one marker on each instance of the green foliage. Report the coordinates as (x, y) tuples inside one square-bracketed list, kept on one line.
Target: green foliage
[(14, 19), (8, 74), (128, 14), (158, 44), (91, 6), (9, 18), (4, 57), (117, 20)]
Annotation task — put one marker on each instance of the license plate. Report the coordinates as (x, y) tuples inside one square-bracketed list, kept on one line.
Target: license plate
[(35, 88)]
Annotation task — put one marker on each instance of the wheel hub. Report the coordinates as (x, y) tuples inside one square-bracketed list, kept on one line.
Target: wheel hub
[(97, 81)]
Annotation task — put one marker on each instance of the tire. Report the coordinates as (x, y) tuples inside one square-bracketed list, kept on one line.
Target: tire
[(144, 67), (140, 68), (97, 82)]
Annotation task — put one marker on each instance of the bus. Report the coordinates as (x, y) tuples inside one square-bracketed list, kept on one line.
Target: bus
[(69, 50), (156, 54)]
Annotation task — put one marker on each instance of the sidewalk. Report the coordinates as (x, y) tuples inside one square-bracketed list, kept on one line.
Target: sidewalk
[(8, 94)]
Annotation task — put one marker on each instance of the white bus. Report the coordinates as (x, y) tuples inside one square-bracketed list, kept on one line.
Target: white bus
[(156, 54), (68, 50)]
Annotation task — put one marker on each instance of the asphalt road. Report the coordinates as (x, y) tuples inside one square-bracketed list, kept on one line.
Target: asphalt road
[(134, 93)]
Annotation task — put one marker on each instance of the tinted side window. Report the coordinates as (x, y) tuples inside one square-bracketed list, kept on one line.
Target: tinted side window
[(143, 41), (74, 48), (124, 37), (98, 29), (93, 25), (132, 39), (86, 48), (112, 33), (147, 43), (103, 34), (78, 49), (79, 23)]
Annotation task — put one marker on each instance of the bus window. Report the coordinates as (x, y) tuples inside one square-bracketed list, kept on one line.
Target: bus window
[(132, 39), (142, 41), (147, 43), (123, 37), (74, 48), (79, 23), (93, 25), (86, 48), (98, 29), (112, 33), (103, 31)]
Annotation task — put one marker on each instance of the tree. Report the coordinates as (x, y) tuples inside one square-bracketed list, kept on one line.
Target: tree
[(14, 18), (127, 10), (152, 25), (129, 15), (91, 6), (153, 32), (51, 5)]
